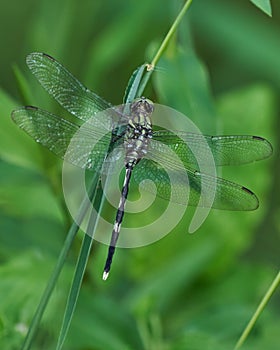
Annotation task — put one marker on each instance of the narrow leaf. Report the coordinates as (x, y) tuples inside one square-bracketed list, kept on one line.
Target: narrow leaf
[(185, 87), (274, 285), (133, 84), (98, 201), (57, 270), (15, 147), (23, 86), (75, 289), (264, 5)]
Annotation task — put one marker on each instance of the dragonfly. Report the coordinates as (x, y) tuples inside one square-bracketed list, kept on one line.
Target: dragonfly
[(134, 135)]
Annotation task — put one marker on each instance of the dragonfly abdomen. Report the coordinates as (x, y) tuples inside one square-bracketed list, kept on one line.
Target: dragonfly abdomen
[(136, 147), (118, 222), (136, 140)]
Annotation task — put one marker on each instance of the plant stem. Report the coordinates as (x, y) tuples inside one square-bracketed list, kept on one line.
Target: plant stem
[(170, 33), (151, 66), (99, 200), (259, 310), (56, 272)]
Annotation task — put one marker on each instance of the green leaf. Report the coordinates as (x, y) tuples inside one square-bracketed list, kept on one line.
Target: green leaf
[(272, 288), (183, 267), (75, 289), (26, 273), (25, 90), (51, 21), (19, 186), (195, 340), (249, 110), (15, 146), (102, 321), (247, 50), (58, 268), (115, 44), (133, 84), (264, 5), (184, 86)]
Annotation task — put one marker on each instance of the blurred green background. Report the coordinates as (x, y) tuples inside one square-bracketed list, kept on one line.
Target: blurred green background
[(185, 291)]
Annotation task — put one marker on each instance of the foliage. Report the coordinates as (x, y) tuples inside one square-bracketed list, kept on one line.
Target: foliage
[(264, 5), (186, 291)]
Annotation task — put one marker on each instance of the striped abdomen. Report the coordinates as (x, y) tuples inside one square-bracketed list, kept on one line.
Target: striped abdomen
[(136, 140)]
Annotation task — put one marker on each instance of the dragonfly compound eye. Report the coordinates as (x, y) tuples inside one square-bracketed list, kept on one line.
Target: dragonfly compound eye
[(149, 106), (142, 105)]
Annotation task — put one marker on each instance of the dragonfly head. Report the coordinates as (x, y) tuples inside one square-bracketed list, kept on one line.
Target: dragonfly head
[(142, 105)]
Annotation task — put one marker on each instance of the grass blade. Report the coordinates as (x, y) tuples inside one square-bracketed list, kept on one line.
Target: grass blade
[(75, 288), (80, 268), (133, 84), (258, 311), (56, 272), (170, 33), (264, 5)]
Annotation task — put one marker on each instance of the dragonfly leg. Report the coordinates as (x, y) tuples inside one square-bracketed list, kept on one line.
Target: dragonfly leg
[(118, 222)]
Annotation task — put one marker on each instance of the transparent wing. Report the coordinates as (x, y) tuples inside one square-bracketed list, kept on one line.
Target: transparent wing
[(226, 150), (228, 195), (64, 87), (89, 144)]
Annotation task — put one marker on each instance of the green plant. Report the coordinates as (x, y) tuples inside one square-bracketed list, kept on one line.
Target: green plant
[(195, 295)]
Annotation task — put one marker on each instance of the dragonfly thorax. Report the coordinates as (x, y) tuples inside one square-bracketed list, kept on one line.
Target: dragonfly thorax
[(139, 130)]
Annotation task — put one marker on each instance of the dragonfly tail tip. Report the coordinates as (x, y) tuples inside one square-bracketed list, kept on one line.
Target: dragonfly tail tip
[(105, 275)]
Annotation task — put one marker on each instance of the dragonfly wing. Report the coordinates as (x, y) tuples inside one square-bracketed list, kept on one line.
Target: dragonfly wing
[(226, 150), (64, 87), (89, 145), (203, 190)]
